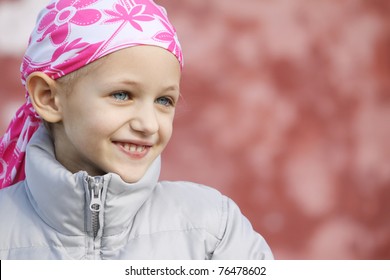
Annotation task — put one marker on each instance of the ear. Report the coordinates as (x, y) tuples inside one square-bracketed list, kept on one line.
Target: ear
[(44, 96)]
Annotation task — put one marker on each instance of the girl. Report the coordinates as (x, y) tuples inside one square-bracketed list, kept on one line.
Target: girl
[(81, 159)]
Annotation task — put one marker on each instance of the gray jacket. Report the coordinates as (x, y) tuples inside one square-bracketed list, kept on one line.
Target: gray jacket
[(55, 214)]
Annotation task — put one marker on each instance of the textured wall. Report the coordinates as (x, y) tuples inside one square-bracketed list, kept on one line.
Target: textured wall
[(286, 109)]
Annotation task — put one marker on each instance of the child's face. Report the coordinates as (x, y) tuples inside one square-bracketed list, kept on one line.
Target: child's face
[(118, 117)]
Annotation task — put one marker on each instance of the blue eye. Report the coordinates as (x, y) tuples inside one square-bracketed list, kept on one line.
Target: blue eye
[(122, 96), (165, 101)]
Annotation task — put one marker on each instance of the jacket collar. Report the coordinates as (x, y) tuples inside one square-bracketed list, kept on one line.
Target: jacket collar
[(61, 197)]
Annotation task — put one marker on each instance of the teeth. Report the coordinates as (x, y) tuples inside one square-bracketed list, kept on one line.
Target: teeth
[(140, 149), (133, 148)]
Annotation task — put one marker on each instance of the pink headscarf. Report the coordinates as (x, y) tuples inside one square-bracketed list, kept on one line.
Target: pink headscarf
[(70, 34)]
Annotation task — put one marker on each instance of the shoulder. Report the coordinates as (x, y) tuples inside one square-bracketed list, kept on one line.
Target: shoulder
[(196, 205), (191, 195), (14, 204), (15, 212), (12, 196), (181, 190)]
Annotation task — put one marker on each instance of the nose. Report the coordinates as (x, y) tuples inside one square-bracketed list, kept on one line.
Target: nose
[(145, 120)]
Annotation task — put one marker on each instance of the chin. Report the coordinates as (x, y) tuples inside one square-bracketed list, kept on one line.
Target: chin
[(131, 179), (131, 174)]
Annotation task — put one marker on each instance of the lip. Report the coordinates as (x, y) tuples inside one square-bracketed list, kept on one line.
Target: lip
[(134, 149)]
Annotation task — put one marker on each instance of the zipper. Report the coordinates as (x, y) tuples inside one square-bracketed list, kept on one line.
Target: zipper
[(95, 205)]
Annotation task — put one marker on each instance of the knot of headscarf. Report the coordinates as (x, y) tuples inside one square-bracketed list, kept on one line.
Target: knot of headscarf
[(70, 34)]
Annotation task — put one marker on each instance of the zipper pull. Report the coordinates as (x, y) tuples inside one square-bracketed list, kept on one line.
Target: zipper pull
[(96, 187)]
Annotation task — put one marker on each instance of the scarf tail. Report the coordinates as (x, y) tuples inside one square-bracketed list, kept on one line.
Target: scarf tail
[(13, 145)]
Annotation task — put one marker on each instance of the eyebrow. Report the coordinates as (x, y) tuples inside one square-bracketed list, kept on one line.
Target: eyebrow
[(172, 88), (135, 83)]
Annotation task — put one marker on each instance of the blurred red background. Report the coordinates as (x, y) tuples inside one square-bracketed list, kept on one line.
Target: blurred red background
[(285, 108)]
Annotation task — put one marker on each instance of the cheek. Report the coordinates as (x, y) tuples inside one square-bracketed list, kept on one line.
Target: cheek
[(166, 127), (85, 128)]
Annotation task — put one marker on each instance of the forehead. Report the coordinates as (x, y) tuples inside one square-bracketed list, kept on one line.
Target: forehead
[(138, 61), (70, 79), (143, 64)]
